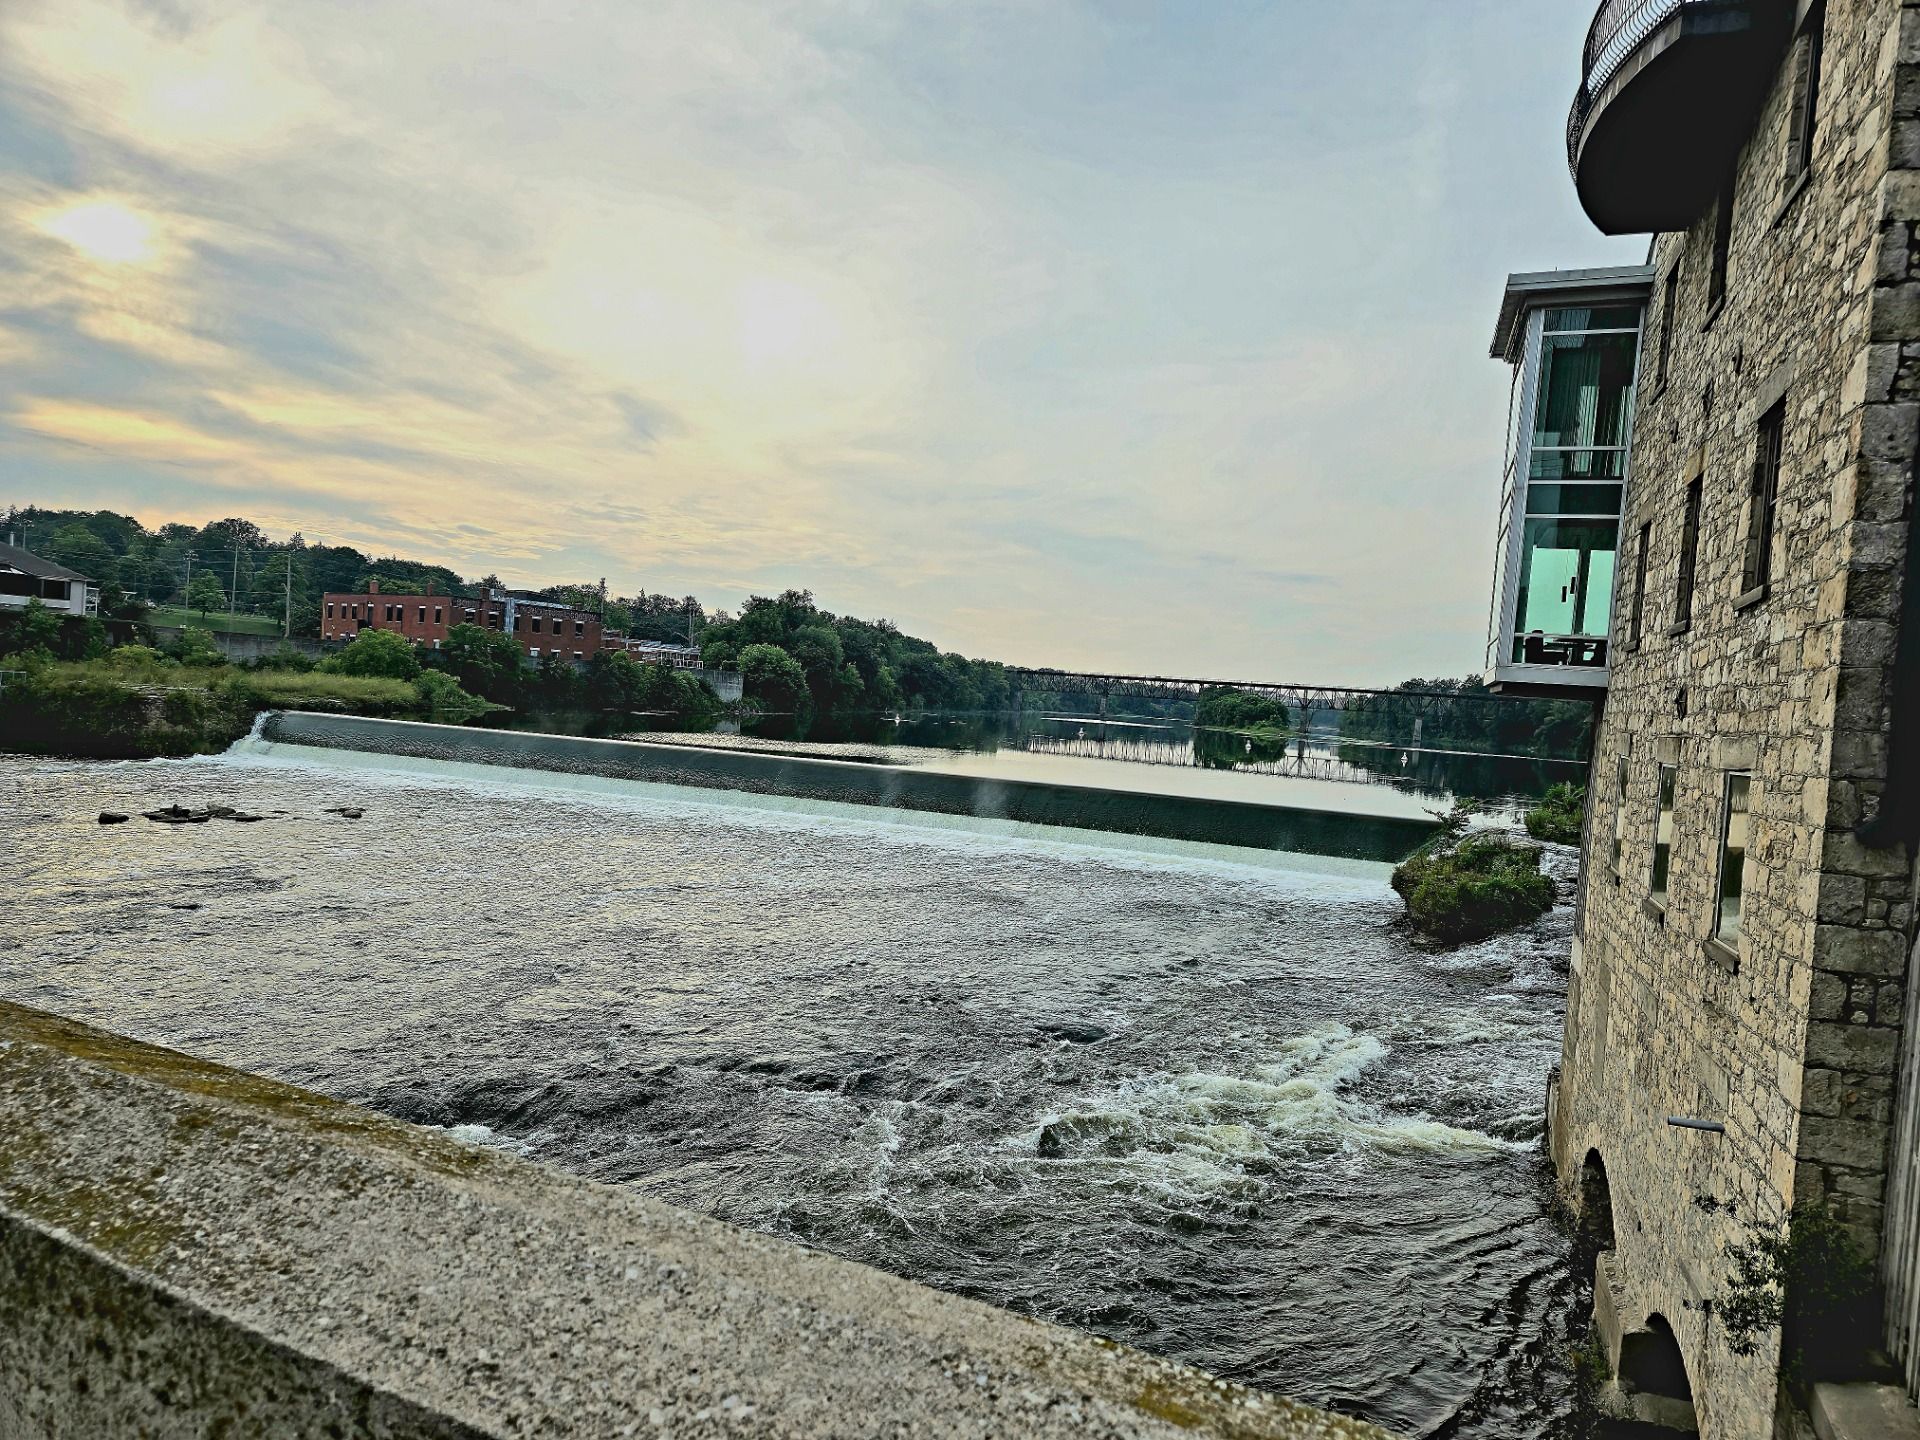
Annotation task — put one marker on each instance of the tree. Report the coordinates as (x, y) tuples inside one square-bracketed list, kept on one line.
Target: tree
[(204, 593), (773, 677), (485, 662), (31, 629), (377, 652), (78, 548)]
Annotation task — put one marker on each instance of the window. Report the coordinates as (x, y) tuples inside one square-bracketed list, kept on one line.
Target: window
[(1640, 584), (438, 612), (1722, 245), (579, 627), (1803, 111), (1735, 808), (1762, 499), (423, 614), (536, 624), (534, 651), (1689, 555), (1669, 303), (1663, 835), (1619, 810), (330, 609)]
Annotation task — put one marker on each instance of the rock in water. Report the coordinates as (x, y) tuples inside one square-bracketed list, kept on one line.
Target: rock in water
[(351, 812), (1077, 1032), (113, 817), (227, 812), (177, 815), (1049, 1147)]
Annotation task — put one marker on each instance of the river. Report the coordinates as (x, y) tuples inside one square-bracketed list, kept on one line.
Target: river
[(1210, 1101)]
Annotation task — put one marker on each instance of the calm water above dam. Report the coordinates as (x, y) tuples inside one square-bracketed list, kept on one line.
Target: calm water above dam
[(1209, 1101)]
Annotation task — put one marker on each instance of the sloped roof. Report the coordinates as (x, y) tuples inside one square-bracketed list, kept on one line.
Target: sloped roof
[(27, 563)]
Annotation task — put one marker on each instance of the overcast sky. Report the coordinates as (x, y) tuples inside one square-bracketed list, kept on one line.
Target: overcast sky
[(1141, 336)]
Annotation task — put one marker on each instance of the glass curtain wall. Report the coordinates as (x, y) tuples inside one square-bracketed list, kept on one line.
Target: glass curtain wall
[(1576, 462)]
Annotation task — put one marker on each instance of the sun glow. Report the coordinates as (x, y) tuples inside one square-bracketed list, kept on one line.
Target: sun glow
[(104, 230)]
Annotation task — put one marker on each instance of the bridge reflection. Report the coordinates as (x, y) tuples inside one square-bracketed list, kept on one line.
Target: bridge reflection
[(1315, 756)]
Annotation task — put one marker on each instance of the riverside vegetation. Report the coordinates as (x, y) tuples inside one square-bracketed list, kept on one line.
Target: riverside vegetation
[(64, 692)]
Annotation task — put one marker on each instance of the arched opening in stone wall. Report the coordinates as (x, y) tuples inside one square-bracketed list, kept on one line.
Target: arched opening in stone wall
[(1596, 1203), (1651, 1362)]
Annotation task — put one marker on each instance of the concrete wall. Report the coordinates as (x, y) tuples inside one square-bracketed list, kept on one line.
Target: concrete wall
[(727, 684), (242, 648), (1791, 1039), (186, 1250)]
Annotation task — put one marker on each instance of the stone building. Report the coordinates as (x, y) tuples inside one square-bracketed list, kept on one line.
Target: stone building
[(1746, 926)]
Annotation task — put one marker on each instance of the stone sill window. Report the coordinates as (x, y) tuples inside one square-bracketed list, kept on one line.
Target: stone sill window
[(1713, 314), (1751, 597), (1721, 954), (1654, 910), (1679, 627)]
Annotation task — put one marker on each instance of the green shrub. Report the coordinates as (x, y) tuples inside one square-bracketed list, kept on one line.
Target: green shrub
[(194, 646), (139, 660), (285, 657), (1558, 815), (1474, 887), (443, 699), (1810, 1280), (376, 652)]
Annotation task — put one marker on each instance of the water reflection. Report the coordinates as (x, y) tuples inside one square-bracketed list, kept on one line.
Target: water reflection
[(993, 744)]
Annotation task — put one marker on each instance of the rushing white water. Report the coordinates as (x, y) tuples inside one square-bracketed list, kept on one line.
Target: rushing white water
[(1207, 1100)]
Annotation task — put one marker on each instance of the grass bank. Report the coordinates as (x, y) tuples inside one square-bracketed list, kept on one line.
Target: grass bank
[(100, 709)]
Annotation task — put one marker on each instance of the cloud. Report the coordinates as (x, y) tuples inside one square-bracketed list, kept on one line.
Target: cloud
[(1056, 336)]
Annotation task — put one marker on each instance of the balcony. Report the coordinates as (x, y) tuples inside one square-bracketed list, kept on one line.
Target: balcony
[(1670, 93)]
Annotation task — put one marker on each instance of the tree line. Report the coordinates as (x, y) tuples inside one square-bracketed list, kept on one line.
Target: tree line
[(233, 565)]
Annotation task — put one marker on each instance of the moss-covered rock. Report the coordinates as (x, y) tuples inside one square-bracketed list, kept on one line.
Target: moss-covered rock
[(1473, 887)]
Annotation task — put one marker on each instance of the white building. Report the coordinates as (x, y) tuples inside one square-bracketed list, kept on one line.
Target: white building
[(25, 576)]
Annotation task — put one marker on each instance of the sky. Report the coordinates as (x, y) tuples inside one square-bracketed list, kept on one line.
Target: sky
[(1138, 337)]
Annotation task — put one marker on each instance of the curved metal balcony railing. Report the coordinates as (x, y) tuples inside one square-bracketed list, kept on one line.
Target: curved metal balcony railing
[(1619, 28)]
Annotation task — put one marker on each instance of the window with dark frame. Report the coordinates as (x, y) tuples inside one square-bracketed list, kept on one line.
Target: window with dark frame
[(1722, 246), (1663, 835), (1736, 806), (1669, 302), (1689, 555), (1619, 810), (1803, 112), (1763, 499), (1635, 623)]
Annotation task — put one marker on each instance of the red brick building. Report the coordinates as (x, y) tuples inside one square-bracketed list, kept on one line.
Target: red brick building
[(543, 627)]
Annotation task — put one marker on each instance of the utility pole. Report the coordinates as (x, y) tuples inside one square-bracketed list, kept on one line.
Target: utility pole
[(233, 595), (286, 625)]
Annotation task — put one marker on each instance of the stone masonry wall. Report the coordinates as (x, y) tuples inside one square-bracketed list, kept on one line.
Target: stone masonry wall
[(1791, 1039)]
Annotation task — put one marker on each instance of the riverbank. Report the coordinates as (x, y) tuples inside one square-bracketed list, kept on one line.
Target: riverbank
[(97, 710)]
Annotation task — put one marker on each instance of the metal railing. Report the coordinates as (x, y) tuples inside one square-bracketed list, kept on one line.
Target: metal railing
[(1619, 28)]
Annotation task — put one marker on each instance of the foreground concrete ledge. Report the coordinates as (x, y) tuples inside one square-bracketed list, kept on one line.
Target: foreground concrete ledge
[(188, 1250)]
